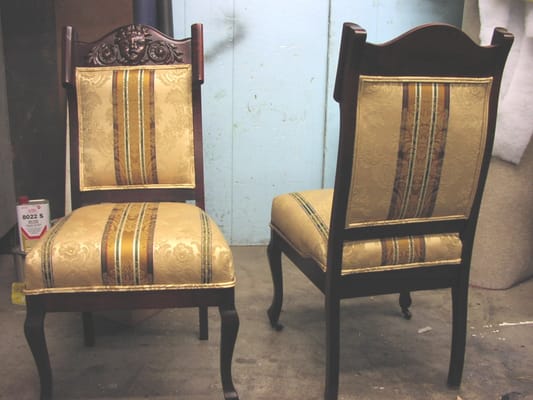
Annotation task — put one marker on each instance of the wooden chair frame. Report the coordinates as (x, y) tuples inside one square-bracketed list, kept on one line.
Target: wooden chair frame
[(76, 53), (431, 50)]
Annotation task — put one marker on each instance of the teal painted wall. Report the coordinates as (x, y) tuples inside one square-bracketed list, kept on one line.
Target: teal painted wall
[(270, 123)]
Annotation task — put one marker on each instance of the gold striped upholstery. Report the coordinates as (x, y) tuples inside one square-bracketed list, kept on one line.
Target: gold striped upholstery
[(424, 125), (130, 246), (407, 127), (136, 127), (303, 220)]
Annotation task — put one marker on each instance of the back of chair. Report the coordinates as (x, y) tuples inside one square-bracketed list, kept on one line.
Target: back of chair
[(417, 127), (135, 116)]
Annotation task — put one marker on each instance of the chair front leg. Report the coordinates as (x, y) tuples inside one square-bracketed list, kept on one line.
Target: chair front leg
[(34, 331), (274, 260), (204, 323), (459, 320), (405, 303), (332, 347), (88, 328), (229, 329)]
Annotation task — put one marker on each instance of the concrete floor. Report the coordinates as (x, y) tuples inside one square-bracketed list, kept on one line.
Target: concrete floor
[(158, 356)]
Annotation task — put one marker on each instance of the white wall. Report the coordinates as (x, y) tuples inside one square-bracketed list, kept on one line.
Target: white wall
[(270, 123)]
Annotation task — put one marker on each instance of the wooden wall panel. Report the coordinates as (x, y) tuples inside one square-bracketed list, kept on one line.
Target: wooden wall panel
[(270, 123)]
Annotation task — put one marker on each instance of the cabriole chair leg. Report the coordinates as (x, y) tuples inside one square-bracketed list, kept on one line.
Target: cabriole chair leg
[(34, 331), (229, 329), (274, 259)]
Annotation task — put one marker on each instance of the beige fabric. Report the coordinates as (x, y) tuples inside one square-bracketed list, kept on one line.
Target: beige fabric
[(186, 248), (101, 127), (303, 220), (379, 122)]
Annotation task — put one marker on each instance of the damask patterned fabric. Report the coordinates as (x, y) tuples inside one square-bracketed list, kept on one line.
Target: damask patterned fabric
[(418, 149), (136, 127), (303, 220), (130, 246)]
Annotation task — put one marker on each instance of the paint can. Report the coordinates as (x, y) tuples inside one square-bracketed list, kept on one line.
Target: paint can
[(33, 218)]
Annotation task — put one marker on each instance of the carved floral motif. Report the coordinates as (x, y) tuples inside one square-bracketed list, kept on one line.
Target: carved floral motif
[(132, 46)]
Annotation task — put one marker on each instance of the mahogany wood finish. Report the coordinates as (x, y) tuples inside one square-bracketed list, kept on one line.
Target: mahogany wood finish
[(431, 50), (160, 49)]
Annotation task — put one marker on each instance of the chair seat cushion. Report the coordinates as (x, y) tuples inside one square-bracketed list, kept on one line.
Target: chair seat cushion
[(303, 219), (130, 246)]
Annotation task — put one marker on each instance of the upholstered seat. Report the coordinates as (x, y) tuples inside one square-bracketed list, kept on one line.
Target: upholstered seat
[(303, 218), (131, 246)]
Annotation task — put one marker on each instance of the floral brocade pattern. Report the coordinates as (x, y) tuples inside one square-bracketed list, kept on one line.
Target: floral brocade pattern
[(130, 246), (303, 220), (418, 148), (135, 127)]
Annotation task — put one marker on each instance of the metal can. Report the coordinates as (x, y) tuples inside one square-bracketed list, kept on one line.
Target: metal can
[(33, 221)]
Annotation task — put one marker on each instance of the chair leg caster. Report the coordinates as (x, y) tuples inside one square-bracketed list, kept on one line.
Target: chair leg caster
[(406, 313), (405, 303), (274, 320), (231, 395)]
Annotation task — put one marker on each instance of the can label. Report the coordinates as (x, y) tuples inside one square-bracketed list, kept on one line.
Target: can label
[(33, 222)]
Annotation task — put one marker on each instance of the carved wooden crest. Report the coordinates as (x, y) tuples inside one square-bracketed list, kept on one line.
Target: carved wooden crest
[(133, 45)]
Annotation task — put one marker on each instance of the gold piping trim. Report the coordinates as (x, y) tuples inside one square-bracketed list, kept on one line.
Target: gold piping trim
[(351, 271), (443, 79), (133, 67), (138, 288)]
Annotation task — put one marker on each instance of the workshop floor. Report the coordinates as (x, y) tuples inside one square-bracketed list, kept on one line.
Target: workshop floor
[(156, 355)]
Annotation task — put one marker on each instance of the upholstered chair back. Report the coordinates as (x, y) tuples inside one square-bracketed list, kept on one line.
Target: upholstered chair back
[(418, 148), (136, 119), (417, 128), (135, 127)]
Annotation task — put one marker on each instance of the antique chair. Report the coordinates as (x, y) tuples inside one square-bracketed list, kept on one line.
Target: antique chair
[(133, 240), (417, 117)]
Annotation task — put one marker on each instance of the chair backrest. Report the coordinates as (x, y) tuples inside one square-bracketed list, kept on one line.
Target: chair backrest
[(416, 133), (135, 116)]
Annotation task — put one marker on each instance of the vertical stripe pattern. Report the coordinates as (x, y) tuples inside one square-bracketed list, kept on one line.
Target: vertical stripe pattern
[(127, 244), (134, 127), (424, 125), (206, 241), (405, 250)]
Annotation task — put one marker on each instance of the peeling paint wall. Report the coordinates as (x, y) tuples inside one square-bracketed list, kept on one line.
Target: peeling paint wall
[(270, 122)]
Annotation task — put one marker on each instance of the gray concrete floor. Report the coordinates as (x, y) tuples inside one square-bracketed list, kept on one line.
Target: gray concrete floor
[(157, 355)]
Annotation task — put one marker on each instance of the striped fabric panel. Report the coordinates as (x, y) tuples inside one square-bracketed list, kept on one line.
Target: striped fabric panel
[(47, 267), (134, 127), (315, 218), (127, 244), (206, 244), (424, 126), (406, 250)]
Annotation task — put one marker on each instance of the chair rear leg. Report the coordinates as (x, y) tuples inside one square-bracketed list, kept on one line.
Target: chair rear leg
[(229, 329), (332, 347), (204, 322), (88, 328), (274, 259), (459, 320), (405, 303), (34, 331)]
